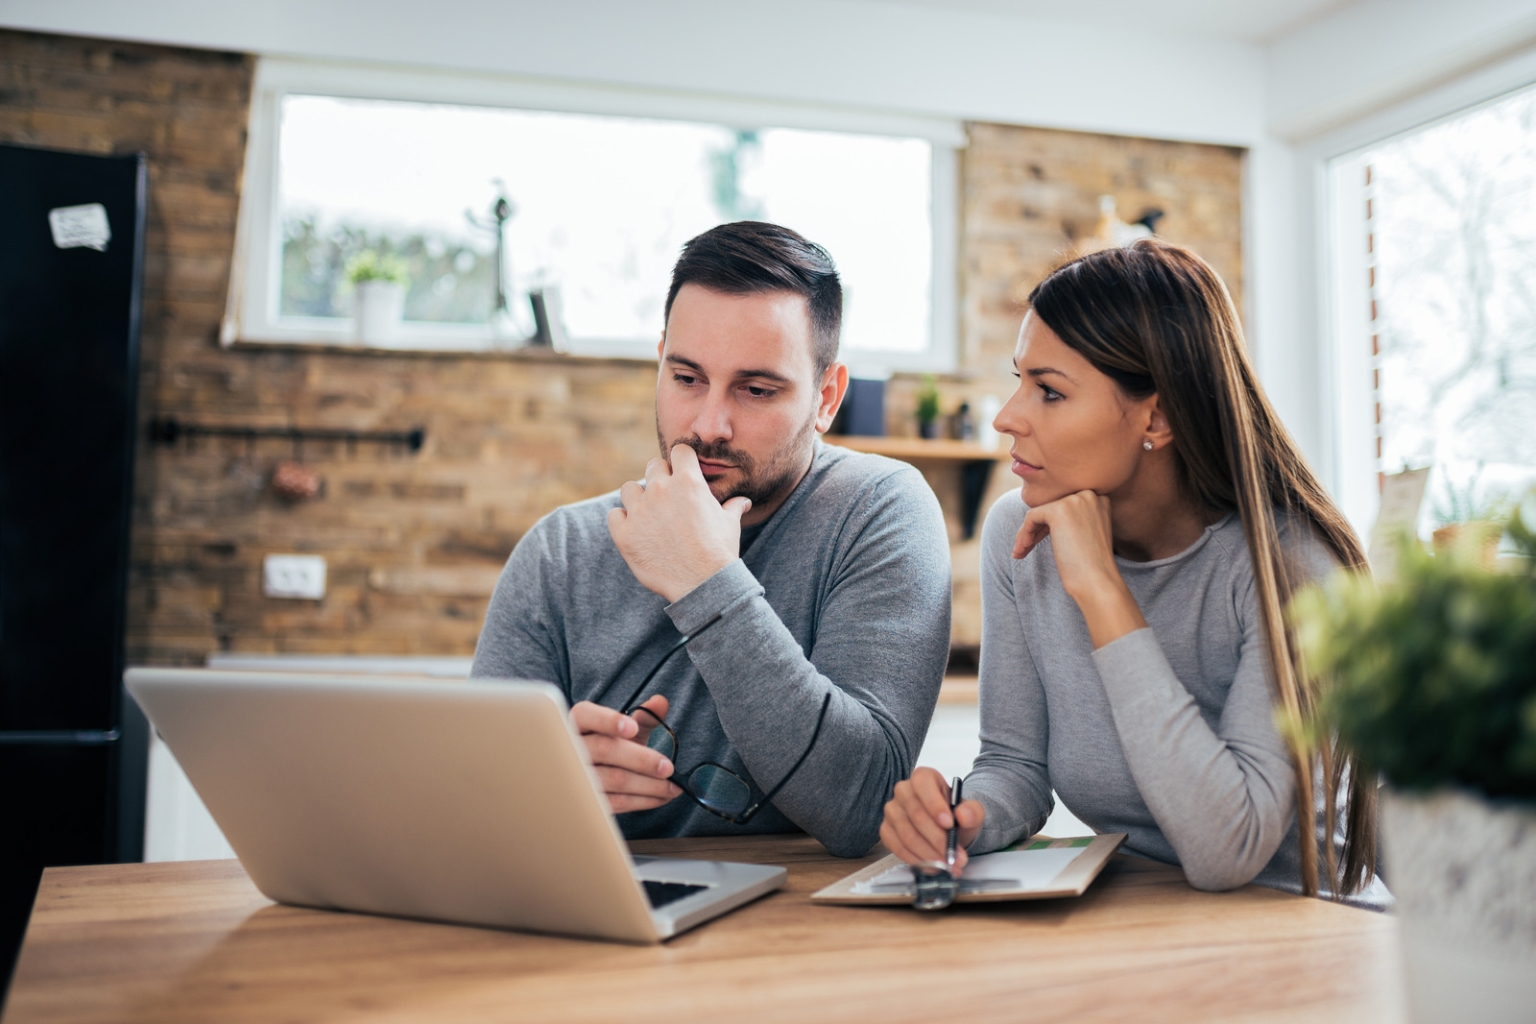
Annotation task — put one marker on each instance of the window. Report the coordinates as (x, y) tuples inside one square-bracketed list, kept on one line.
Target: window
[(601, 204), (1435, 238)]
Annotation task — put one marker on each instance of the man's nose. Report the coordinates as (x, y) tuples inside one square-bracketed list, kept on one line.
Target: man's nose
[(713, 420)]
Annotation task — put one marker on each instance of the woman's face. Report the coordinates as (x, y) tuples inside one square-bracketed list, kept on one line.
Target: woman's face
[(1073, 429)]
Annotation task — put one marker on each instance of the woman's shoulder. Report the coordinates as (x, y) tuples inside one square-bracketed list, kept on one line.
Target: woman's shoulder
[(1306, 552)]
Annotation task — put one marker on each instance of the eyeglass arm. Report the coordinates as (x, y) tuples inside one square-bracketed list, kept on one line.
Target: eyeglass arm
[(629, 705), (746, 815)]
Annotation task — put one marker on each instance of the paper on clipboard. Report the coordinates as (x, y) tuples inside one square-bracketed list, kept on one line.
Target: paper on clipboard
[(1037, 868), (1025, 869)]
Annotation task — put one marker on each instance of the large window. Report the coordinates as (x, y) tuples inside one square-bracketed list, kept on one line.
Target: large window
[(601, 205), (1437, 247)]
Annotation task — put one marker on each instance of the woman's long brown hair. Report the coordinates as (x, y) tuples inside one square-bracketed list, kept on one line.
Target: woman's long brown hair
[(1157, 319)]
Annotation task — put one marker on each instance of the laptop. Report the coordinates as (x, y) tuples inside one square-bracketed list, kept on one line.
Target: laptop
[(466, 802)]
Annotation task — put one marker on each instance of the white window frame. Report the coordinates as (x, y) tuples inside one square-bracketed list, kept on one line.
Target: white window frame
[(1342, 378), (251, 313)]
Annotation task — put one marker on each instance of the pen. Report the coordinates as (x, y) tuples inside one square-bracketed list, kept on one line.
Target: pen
[(954, 822)]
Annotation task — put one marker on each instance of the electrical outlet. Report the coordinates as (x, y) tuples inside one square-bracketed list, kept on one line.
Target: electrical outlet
[(300, 576)]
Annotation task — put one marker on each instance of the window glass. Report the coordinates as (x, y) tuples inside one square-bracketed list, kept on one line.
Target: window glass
[(1453, 234), (602, 205)]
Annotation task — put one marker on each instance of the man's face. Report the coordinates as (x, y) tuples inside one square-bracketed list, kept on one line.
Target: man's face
[(737, 385)]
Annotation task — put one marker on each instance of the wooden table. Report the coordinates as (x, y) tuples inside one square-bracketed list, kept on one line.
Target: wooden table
[(196, 942)]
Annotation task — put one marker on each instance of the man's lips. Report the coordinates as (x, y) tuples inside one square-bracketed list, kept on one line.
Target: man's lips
[(709, 466)]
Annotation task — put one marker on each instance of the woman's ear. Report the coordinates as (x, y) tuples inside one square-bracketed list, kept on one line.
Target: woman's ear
[(1157, 430)]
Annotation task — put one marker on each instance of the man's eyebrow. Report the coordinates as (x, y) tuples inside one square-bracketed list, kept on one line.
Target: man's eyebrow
[(772, 375), (759, 374), (685, 362)]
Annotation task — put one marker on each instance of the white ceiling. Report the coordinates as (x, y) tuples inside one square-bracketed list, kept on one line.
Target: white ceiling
[(1248, 21)]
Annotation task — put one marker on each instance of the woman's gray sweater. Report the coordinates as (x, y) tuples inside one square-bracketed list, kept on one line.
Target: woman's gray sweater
[(1167, 734)]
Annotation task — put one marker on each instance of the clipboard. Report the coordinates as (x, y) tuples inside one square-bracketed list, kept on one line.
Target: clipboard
[(1072, 879)]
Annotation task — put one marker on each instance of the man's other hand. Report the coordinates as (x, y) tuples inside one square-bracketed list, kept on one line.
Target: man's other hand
[(634, 776), (671, 530)]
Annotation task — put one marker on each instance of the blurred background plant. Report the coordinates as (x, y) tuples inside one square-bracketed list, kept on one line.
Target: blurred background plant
[(1431, 680), (371, 265)]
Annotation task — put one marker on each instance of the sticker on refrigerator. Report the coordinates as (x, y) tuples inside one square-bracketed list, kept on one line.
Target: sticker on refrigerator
[(80, 227)]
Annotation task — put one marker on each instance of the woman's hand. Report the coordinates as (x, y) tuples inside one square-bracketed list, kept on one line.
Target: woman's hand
[(1082, 540), (917, 820)]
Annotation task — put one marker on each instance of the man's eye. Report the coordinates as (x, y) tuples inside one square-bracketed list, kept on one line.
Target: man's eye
[(761, 392), (683, 378)]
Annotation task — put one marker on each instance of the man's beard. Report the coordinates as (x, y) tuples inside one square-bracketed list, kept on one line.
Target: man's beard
[(764, 483)]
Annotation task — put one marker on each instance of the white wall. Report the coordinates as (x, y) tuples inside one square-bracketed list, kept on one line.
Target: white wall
[(1374, 54), (859, 53)]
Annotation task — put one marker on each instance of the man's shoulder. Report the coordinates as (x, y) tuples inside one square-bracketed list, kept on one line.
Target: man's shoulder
[(843, 474), (576, 524)]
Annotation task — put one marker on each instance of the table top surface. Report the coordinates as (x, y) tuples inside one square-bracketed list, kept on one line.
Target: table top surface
[(195, 941)]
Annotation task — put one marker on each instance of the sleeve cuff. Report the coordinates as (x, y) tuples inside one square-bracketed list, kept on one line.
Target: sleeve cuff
[(725, 588)]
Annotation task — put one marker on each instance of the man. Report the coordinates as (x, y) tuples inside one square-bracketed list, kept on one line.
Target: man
[(812, 580)]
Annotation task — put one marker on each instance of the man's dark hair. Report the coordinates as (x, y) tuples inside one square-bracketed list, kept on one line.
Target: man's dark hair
[(749, 256)]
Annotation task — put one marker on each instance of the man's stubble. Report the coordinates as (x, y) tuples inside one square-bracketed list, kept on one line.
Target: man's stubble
[(763, 483)]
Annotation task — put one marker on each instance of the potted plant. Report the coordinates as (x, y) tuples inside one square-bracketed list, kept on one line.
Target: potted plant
[(928, 408), (378, 296), (1431, 681)]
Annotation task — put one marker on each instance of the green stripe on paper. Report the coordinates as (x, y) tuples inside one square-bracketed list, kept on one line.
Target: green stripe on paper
[(1078, 844)]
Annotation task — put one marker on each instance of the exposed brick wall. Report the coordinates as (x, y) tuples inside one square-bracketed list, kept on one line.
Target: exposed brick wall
[(414, 542)]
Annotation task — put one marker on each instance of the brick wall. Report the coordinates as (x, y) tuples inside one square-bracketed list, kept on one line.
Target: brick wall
[(414, 542)]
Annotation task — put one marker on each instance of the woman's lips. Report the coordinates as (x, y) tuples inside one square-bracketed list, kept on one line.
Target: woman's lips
[(1023, 468)]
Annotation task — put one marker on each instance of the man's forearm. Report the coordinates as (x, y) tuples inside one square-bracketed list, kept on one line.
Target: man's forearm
[(768, 693)]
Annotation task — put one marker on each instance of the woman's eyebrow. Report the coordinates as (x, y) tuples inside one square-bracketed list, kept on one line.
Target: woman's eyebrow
[(1041, 371)]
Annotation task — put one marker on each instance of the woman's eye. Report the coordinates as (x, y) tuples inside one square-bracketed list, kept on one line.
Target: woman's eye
[(1051, 394)]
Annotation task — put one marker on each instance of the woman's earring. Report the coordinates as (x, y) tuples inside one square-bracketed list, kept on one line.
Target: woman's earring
[(1147, 445)]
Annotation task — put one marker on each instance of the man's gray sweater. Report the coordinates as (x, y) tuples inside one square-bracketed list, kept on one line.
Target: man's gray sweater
[(844, 590)]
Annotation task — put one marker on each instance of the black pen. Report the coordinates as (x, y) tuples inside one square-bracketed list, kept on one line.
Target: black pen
[(953, 841)]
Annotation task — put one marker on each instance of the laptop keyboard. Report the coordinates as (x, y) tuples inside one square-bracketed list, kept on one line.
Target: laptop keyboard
[(662, 893)]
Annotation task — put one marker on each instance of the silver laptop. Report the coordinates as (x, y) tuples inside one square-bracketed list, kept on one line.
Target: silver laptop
[(468, 802)]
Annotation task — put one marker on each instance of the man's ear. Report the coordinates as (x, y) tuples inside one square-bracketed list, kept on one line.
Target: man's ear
[(661, 346), (834, 385)]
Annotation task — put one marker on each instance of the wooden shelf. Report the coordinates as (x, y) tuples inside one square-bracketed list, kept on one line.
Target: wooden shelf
[(975, 464), (908, 448)]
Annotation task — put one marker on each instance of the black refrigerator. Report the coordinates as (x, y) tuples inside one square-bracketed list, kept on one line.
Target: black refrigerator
[(73, 748)]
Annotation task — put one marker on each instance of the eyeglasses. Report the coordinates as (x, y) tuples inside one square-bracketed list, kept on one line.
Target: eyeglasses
[(713, 787)]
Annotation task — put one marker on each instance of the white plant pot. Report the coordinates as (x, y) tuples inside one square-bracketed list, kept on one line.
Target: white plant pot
[(378, 307), (1463, 871)]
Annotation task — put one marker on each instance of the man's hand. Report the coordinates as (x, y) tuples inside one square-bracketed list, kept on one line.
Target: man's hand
[(671, 530), (634, 776)]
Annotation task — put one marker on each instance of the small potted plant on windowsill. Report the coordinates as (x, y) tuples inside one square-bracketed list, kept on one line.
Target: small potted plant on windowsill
[(928, 409), (1431, 681), (378, 296)]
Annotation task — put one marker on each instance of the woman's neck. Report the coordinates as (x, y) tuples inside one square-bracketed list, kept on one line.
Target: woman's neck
[(1156, 520)]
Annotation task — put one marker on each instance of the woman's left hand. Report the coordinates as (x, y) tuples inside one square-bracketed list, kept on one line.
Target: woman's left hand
[(1082, 540)]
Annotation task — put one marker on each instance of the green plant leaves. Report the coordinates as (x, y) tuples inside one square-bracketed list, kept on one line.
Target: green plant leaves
[(1431, 679)]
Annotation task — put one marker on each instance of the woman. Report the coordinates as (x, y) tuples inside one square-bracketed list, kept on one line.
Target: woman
[(1134, 652)]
